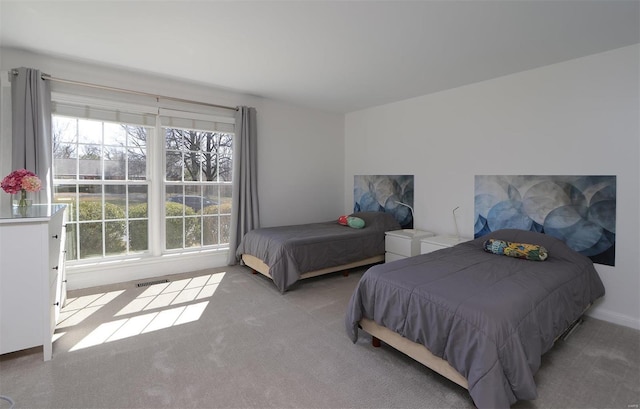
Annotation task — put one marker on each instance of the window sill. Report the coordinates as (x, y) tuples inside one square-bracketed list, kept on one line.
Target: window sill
[(105, 272)]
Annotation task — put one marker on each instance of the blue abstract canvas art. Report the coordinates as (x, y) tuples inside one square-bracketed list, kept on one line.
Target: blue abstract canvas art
[(579, 210), (380, 193)]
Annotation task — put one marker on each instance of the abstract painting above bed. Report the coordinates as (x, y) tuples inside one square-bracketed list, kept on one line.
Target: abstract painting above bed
[(381, 193), (579, 210)]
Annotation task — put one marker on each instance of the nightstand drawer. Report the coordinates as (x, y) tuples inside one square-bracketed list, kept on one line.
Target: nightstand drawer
[(429, 244), (430, 247), (398, 245), (389, 257)]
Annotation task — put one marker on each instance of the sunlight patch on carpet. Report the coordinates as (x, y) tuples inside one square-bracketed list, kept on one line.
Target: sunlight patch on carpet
[(78, 309), (141, 324), (158, 307), (173, 293)]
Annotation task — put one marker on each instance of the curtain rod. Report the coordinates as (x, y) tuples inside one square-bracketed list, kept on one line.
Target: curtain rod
[(128, 91)]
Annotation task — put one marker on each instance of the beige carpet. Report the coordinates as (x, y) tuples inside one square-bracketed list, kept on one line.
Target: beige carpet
[(228, 339)]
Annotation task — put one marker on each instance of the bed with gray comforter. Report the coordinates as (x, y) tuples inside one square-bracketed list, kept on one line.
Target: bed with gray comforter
[(490, 316), (290, 251)]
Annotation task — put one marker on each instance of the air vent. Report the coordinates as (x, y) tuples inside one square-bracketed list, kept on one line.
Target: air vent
[(148, 283)]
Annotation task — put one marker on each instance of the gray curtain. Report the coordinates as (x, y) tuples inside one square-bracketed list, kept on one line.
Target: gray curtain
[(244, 210), (31, 127)]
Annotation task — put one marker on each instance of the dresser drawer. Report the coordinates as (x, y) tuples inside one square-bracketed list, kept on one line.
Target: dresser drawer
[(54, 307), (55, 242)]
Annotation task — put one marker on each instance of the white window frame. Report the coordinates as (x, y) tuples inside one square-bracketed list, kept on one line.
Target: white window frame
[(113, 269), (169, 118)]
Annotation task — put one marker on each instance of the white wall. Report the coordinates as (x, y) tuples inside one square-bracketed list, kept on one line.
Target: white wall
[(300, 151), (573, 118), (301, 165)]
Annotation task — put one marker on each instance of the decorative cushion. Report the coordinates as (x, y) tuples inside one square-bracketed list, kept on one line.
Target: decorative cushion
[(351, 221), (355, 222), (519, 250)]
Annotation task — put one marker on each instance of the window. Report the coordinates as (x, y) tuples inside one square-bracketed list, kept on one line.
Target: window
[(197, 187), (114, 168), (100, 172)]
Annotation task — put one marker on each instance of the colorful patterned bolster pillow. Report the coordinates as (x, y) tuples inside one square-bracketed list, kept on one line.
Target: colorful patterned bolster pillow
[(519, 250), (351, 221)]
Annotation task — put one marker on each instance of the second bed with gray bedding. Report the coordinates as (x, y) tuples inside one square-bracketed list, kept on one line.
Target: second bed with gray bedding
[(290, 251), (490, 316)]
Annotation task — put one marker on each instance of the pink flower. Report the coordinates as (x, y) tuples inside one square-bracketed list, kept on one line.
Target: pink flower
[(21, 179), (31, 183)]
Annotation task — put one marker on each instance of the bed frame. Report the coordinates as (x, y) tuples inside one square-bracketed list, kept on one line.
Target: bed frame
[(414, 350), (259, 266), (421, 354)]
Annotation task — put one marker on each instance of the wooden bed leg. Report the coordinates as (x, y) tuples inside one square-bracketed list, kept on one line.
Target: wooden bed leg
[(375, 342), (345, 273)]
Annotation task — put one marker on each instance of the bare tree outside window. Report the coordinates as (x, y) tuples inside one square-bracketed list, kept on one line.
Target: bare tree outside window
[(198, 155), (136, 151)]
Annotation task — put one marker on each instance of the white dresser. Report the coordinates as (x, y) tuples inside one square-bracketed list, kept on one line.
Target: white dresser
[(433, 243), (399, 244), (32, 278)]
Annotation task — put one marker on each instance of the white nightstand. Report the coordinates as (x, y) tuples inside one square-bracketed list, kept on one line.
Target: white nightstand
[(429, 244), (404, 243)]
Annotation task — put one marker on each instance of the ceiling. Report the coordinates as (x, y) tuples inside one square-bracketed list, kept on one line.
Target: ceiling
[(337, 56)]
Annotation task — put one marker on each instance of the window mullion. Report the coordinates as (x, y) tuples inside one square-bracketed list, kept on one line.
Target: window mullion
[(155, 162), (103, 189)]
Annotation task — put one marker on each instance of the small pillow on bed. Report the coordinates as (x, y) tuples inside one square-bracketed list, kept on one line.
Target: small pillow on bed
[(519, 250), (351, 221), (355, 222)]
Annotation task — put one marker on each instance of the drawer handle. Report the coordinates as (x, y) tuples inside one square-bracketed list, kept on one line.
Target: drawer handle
[(55, 236), (55, 268), (57, 303)]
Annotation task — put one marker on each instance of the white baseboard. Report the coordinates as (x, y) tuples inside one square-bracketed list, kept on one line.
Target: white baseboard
[(614, 318)]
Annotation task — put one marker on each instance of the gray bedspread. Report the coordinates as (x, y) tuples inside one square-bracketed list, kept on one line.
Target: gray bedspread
[(490, 316), (293, 250)]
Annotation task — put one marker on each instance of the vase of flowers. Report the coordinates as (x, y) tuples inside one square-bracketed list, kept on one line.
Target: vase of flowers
[(21, 181)]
